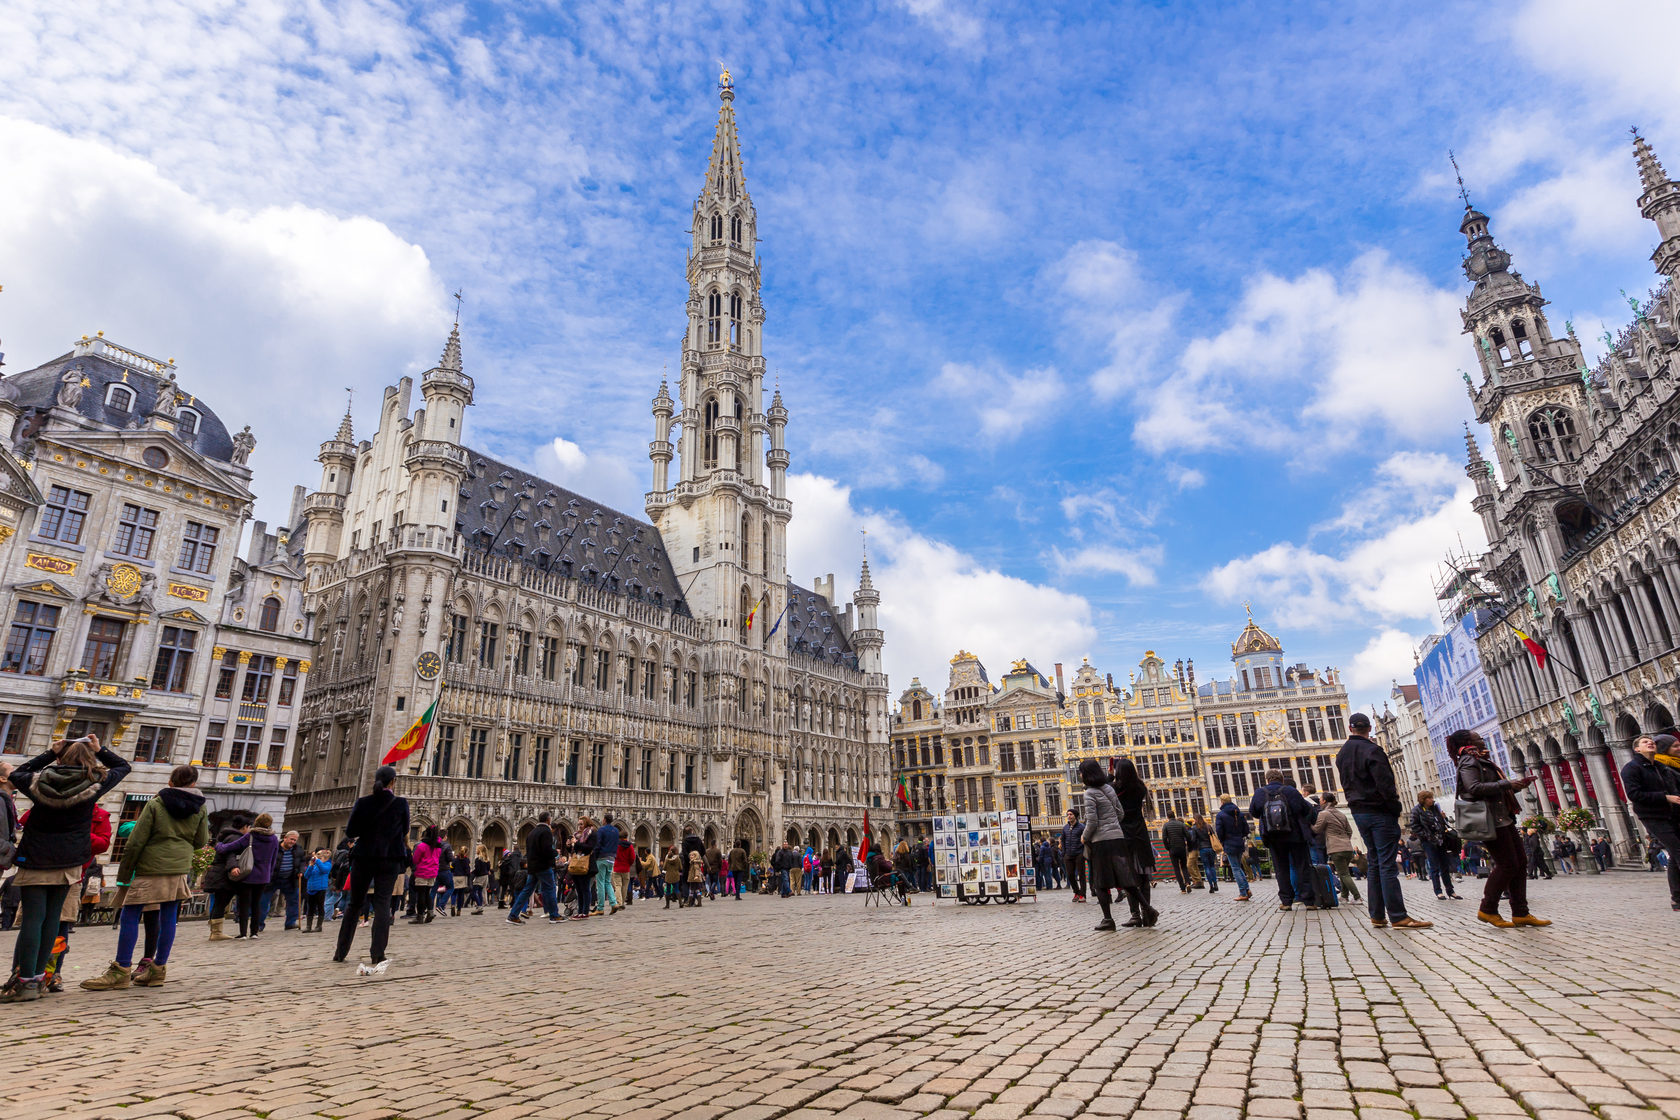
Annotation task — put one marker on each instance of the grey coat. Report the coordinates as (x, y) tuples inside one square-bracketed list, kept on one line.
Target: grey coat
[(1335, 829), (1102, 814)]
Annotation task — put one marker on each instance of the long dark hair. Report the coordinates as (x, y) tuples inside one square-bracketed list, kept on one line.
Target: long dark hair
[(1091, 773), (1127, 781), (430, 836)]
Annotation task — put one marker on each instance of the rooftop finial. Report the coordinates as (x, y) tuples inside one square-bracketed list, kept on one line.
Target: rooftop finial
[(1463, 192), (346, 434), (1651, 174), (726, 84), (456, 296)]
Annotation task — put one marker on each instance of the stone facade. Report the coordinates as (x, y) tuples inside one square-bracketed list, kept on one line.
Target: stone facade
[(1582, 517), (130, 614), (583, 659), (918, 750), (972, 773), (1161, 737), (1270, 716), (1026, 716), (1403, 733)]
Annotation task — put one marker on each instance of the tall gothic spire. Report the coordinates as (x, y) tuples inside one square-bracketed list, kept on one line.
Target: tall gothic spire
[(1475, 463), (1651, 173), (452, 350), (346, 434), (726, 178), (1659, 202)]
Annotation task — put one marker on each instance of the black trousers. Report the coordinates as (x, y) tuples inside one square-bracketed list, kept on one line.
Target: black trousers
[(1181, 868), (1510, 871), (1076, 872), (1666, 836), (1294, 875), (383, 884)]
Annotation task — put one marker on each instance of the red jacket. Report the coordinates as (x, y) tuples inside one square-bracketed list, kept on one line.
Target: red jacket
[(625, 858)]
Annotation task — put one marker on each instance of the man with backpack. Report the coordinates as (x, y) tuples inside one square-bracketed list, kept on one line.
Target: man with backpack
[(1285, 821), (1373, 797)]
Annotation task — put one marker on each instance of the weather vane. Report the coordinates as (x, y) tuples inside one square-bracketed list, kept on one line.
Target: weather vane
[(1463, 192), (457, 296)]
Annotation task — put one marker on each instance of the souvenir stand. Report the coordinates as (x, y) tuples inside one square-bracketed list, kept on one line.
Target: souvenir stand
[(984, 857)]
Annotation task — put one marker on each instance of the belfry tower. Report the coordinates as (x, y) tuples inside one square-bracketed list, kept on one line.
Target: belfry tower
[(724, 521)]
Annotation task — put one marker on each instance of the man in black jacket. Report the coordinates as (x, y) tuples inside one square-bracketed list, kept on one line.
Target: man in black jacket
[(1284, 818), (379, 827), (1175, 838), (540, 855), (1373, 798), (1653, 790)]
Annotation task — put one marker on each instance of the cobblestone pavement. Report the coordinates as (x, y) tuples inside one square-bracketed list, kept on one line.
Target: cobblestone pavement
[(816, 1007)]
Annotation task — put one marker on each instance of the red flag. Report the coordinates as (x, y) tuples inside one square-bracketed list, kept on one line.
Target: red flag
[(863, 848), (903, 792), (1537, 650)]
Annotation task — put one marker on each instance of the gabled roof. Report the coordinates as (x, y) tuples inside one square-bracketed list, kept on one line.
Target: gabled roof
[(813, 631), (513, 513)]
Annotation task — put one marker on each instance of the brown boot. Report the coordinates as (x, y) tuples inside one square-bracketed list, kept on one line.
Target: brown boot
[(115, 979), (150, 974), (1530, 920), (216, 933)]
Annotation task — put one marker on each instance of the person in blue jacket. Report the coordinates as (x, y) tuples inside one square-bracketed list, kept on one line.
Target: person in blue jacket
[(316, 878), (1230, 828)]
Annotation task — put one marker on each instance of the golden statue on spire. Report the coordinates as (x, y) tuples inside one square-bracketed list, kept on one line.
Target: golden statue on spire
[(725, 81)]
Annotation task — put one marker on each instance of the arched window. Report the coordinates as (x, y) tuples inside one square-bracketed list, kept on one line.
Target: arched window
[(764, 552), (119, 398), (717, 227), (270, 618), (711, 431), (186, 423), (1553, 433), (735, 228), (1497, 337), (714, 317), (735, 321), (746, 540), (1520, 333)]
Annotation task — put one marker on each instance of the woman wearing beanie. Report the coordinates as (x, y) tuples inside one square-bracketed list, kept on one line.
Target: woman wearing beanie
[(152, 881)]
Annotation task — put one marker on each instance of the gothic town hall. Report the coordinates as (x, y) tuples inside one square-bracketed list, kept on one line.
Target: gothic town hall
[(586, 660)]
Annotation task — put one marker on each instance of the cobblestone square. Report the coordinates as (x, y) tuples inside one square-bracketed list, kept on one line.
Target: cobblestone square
[(817, 1006)]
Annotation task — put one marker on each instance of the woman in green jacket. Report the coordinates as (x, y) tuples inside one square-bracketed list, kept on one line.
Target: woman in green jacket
[(152, 880)]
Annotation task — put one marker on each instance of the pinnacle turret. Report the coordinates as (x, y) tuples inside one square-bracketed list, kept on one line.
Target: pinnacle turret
[(1660, 202), (1474, 462), (346, 434), (452, 350), (1651, 173)]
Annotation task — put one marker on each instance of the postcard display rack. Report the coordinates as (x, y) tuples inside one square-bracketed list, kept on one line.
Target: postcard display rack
[(984, 857)]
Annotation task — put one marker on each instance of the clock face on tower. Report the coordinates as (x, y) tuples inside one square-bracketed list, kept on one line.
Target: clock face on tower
[(427, 666)]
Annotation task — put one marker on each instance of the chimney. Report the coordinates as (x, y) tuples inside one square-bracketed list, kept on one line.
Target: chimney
[(1190, 674), (1111, 682), (1059, 687), (254, 552), (294, 516)]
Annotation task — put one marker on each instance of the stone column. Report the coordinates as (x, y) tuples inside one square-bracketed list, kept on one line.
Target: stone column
[(1577, 768), (1613, 811)]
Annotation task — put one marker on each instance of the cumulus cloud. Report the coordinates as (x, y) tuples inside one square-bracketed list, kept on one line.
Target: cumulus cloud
[(1374, 565), (601, 474), (1386, 659), (269, 313), (935, 598), (1106, 298)]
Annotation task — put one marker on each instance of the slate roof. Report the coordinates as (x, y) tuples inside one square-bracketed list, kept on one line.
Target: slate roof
[(510, 512), (38, 390), (813, 631)]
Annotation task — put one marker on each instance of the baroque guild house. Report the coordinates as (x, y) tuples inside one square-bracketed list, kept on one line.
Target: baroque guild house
[(584, 659)]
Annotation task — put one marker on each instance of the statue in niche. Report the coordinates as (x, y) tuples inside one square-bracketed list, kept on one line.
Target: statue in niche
[(71, 383)]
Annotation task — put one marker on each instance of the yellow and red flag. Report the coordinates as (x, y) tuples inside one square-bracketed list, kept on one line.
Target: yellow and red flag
[(415, 737), (1534, 647)]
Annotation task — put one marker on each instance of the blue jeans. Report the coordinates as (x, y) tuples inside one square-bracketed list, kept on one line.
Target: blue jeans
[(782, 884), (1233, 860), (1210, 869), (1381, 834), (128, 932), (544, 883)]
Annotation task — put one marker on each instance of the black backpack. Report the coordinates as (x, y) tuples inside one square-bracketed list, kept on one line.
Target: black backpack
[(1278, 823), (339, 874)]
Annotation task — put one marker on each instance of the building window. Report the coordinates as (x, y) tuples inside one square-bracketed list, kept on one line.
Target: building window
[(259, 674), (691, 688), (198, 548), (671, 774), (1553, 433), (269, 619), (511, 761), (597, 764), (688, 773), (277, 748), (548, 658), (1326, 773), (603, 672), (119, 398), (714, 317), (1315, 724), (627, 669), (211, 754), (99, 653), (455, 650), (625, 764), (174, 659), (186, 423), (647, 768), (443, 755), (1011, 797), (650, 679), (574, 759), (1250, 730), (1006, 758), (288, 684), (64, 515), (136, 529), (1338, 729), (1297, 727), (519, 643), (539, 758), (1053, 798), (478, 746), (30, 641), (1220, 784), (247, 742), (225, 675), (488, 636), (154, 744)]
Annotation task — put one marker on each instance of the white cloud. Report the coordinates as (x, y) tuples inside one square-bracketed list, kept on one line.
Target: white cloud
[(1186, 478), (1314, 361), (935, 599), (1004, 404), (269, 313), (1108, 300), (1136, 564), (602, 475), (1386, 659), (1383, 571), (952, 20), (1591, 45)]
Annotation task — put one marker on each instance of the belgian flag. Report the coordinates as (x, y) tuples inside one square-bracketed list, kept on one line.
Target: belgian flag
[(1534, 647)]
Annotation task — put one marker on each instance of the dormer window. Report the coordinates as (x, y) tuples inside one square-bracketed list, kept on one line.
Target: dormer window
[(186, 423), (119, 398)]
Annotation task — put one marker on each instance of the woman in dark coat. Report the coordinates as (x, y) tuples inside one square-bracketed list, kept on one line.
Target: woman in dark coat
[(248, 888), (1480, 779), (1107, 851), (65, 784), (1128, 784)]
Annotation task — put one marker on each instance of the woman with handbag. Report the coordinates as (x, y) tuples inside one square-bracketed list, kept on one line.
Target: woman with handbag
[(1128, 786), (480, 880), (1108, 856), (65, 784), (1430, 828), (1486, 811), (254, 854), (580, 864)]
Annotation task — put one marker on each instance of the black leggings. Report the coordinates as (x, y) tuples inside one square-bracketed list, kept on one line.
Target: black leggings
[(249, 896), (37, 928), (314, 905), (219, 901)]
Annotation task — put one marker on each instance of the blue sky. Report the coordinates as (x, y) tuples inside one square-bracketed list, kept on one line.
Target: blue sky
[(1101, 319)]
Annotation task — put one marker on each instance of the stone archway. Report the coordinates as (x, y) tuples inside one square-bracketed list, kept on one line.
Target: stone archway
[(813, 839), (710, 835), (495, 839), (792, 837), (833, 837), (643, 837), (749, 830), (524, 833), (1657, 718), (851, 838), (667, 838), (460, 836)]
